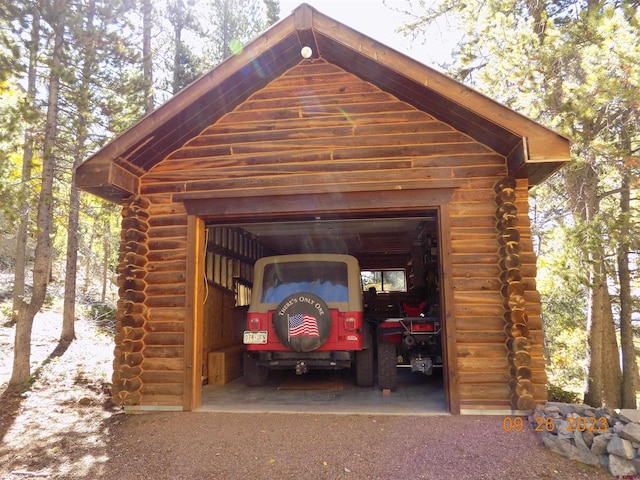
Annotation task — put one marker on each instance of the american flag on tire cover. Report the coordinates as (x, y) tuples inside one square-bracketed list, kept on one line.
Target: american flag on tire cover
[(303, 324)]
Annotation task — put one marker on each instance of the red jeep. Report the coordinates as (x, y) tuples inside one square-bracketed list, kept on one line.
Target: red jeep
[(306, 313)]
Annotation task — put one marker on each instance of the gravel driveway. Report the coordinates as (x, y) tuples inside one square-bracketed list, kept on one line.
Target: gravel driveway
[(206, 445), (64, 428)]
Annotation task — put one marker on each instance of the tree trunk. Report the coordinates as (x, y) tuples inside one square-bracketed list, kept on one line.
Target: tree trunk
[(83, 105), (68, 333), (593, 393), (178, 23), (105, 268), (147, 58), (629, 364), (582, 187), (22, 352), (88, 258), (27, 165), (611, 373)]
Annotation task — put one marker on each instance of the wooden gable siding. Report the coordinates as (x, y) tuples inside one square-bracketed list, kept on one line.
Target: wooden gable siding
[(316, 129), (318, 125)]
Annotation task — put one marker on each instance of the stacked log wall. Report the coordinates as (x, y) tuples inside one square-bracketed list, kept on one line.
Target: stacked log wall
[(160, 268), (165, 353), (528, 271), (319, 126), (478, 310), (131, 315)]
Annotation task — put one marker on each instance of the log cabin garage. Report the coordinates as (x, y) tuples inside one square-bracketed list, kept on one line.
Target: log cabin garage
[(318, 139)]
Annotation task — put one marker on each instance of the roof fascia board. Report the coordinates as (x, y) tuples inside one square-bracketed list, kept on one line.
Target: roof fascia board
[(108, 180), (519, 166)]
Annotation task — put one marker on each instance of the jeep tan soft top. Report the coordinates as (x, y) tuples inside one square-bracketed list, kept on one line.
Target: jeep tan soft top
[(340, 288)]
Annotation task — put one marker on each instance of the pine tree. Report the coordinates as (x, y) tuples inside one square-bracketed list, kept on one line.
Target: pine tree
[(54, 14), (575, 67)]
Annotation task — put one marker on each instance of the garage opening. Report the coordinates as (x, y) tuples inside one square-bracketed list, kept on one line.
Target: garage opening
[(400, 269)]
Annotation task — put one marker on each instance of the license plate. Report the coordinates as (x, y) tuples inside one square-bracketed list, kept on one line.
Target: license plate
[(253, 338)]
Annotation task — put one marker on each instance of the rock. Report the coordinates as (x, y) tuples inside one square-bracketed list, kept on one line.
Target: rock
[(580, 443), (568, 408), (617, 448), (619, 467), (537, 419), (588, 437), (631, 432), (569, 451), (621, 447), (599, 445), (563, 430), (607, 413), (617, 428), (629, 415)]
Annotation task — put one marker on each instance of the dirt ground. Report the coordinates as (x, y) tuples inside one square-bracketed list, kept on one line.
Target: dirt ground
[(65, 427)]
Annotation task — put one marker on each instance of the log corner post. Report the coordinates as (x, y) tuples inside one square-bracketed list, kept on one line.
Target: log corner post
[(516, 319), (131, 315)]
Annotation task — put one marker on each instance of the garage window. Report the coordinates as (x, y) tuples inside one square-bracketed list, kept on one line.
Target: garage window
[(384, 280)]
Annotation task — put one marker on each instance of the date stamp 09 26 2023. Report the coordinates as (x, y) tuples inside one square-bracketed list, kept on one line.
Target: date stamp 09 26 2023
[(581, 424)]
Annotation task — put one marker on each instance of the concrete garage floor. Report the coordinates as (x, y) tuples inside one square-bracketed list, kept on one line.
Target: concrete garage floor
[(328, 392)]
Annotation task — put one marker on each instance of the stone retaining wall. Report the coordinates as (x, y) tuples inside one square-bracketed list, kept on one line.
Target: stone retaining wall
[(599, 437)]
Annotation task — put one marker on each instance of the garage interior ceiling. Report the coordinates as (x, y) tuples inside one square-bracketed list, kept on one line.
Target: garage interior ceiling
[(368, 237)]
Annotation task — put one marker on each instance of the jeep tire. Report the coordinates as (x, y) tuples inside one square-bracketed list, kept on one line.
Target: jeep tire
[(387, 366), (310, 306), (364, 368)]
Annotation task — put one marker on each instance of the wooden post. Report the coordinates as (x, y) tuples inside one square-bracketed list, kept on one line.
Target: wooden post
[(449, 346), (194, 313)]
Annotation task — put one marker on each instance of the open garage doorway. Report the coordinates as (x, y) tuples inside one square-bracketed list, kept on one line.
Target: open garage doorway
[(401, 262)]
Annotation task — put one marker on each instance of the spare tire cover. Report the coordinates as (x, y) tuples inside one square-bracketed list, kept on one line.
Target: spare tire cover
[(302, 322)]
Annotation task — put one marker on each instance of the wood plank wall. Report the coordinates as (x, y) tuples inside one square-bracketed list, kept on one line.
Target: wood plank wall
[(319, 126)]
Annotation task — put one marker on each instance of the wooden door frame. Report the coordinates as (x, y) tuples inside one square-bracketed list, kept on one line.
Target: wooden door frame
[(450, 374), (194, 313), (274, 208)]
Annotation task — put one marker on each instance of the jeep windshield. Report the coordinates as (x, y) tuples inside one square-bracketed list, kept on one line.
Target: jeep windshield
[(328, 280)]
